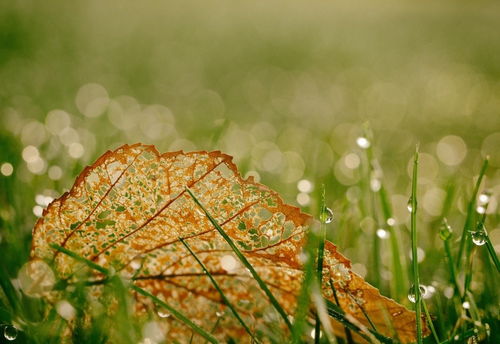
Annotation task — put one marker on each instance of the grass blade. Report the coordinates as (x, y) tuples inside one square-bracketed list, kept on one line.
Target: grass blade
[(245, 262), (429, 321), (469, 219), (399, 288), (216, 285), (493, 254), (321, 252), (413, 228), (303, 300), (141, 291), (337, 313)]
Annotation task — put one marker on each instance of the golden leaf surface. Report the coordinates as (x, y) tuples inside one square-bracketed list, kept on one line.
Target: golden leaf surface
[(129, 209)]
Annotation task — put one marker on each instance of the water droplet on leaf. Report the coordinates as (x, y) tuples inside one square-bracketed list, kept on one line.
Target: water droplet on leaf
[(10, 332), (163, 314)]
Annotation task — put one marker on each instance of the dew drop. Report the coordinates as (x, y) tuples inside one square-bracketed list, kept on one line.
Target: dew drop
[(163, 314), (375, 184), (484, 197), (481, 210), (219, 314), (136, 263), (445, 232), (327, 215), (10, 332), (313, 333), (411, 293), (382, 233), (395, 314), (391, 221), (479, 236), (363, 142), (409, 205), (466, 305), (229, 263)]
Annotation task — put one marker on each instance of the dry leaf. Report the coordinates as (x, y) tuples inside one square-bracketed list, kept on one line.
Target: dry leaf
[(130, 207)]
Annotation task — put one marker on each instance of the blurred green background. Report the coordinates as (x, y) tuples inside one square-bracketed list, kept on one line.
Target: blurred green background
[(286, 87)]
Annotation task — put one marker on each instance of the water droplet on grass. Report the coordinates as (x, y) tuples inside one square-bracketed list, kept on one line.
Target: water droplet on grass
[(327, 215), (409, 206), (363, 142), (382, 233), (375, 184), (411, 293), (10, 332), (479, 236), (484, 197), (466, 305), (445, 232)]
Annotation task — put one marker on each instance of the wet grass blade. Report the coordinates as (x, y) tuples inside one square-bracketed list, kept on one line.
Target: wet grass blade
[(413, 229), (304, 298), (216, 285), (245, 262), (348, 334), (321, 252), (141, 291), (493, 254), (399, 286), (429, 321), (469, 219), (337, 313)]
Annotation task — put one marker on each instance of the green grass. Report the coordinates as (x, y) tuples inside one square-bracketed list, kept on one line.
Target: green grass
[(470, 321), (412, 207)]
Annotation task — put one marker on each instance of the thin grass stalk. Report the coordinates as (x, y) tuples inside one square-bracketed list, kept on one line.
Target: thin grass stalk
[(245, 262), (469, 219), (141, 291), (493, 254), (451, 265), (217, 287), (348, 334), (337, 313), (413, 228), (321, 252), (429, 321), (304, 298), (399, 288)]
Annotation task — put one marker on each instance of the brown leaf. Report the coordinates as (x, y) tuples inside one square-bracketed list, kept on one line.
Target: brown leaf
[(130, 207)]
